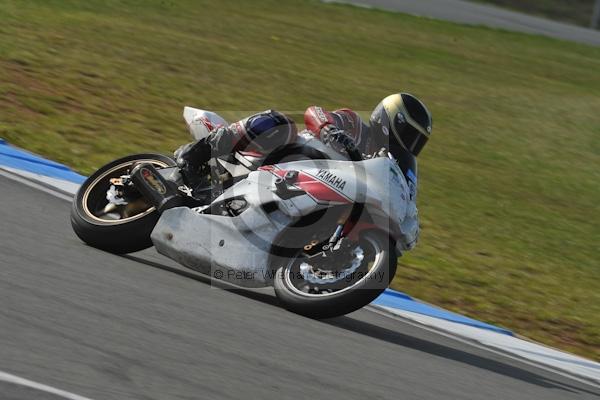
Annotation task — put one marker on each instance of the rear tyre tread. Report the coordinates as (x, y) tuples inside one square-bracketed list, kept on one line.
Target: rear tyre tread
[(119, 239)]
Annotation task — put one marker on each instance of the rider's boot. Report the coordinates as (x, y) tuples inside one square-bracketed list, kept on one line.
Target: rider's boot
[(190, 158)]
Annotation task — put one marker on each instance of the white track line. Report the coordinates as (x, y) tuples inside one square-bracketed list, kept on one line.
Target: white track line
[(20, 179), (16, 380), (494, 350)]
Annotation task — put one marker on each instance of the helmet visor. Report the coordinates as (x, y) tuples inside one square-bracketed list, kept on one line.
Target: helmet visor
[(409, 136)]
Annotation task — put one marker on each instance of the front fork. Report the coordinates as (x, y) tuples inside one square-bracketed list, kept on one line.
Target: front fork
[(345, 224)]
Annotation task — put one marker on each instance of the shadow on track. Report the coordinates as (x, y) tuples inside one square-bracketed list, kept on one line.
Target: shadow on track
[(498, 367), (248, 293), (381, 333)]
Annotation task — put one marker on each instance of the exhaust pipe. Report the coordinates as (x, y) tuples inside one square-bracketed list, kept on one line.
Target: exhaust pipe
[(158, 191)]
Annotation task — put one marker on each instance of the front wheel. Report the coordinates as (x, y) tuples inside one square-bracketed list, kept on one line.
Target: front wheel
[(123, 228), (339, 282)]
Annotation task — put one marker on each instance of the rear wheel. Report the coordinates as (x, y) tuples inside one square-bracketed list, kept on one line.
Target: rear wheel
[(123, 228), (340, 282)]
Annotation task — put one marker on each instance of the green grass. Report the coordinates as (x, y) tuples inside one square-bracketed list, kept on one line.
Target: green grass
[(577, 12), (509, 194)]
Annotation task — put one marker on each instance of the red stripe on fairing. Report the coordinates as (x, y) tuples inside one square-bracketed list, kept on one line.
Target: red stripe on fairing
[(318, 190), (251, 154)]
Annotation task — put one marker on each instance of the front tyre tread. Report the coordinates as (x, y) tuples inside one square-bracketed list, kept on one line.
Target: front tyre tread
[(335, 305)]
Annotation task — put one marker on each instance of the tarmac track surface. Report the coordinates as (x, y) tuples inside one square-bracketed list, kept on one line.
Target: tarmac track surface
[(140, 327), (467, 12)]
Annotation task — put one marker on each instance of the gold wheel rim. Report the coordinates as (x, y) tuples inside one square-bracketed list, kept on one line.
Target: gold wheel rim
[(88, 190)]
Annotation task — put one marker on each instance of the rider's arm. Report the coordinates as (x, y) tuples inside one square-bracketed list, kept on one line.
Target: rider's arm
[(316, 118), (339, 130)]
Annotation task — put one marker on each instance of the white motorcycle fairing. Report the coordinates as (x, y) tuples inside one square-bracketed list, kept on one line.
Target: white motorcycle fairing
[(201, 122), (239, 248)]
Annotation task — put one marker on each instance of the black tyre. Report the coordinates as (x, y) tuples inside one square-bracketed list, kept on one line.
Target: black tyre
[(117, 229), (308, 286)]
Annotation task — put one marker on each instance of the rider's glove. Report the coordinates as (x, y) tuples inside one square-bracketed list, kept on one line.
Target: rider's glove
[(337, 138)]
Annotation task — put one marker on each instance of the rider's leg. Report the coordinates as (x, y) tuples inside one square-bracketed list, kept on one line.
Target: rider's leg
[(260, 132)]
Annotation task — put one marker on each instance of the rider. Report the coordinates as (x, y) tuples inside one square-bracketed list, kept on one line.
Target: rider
[(400, 123)]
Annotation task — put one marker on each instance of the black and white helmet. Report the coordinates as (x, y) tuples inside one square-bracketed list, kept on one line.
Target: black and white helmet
[(400, 121)]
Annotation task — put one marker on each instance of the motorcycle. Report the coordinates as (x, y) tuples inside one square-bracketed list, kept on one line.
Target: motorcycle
[(320, 229)]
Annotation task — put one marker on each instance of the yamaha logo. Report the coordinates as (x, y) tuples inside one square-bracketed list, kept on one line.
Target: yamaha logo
[(330, 178)]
